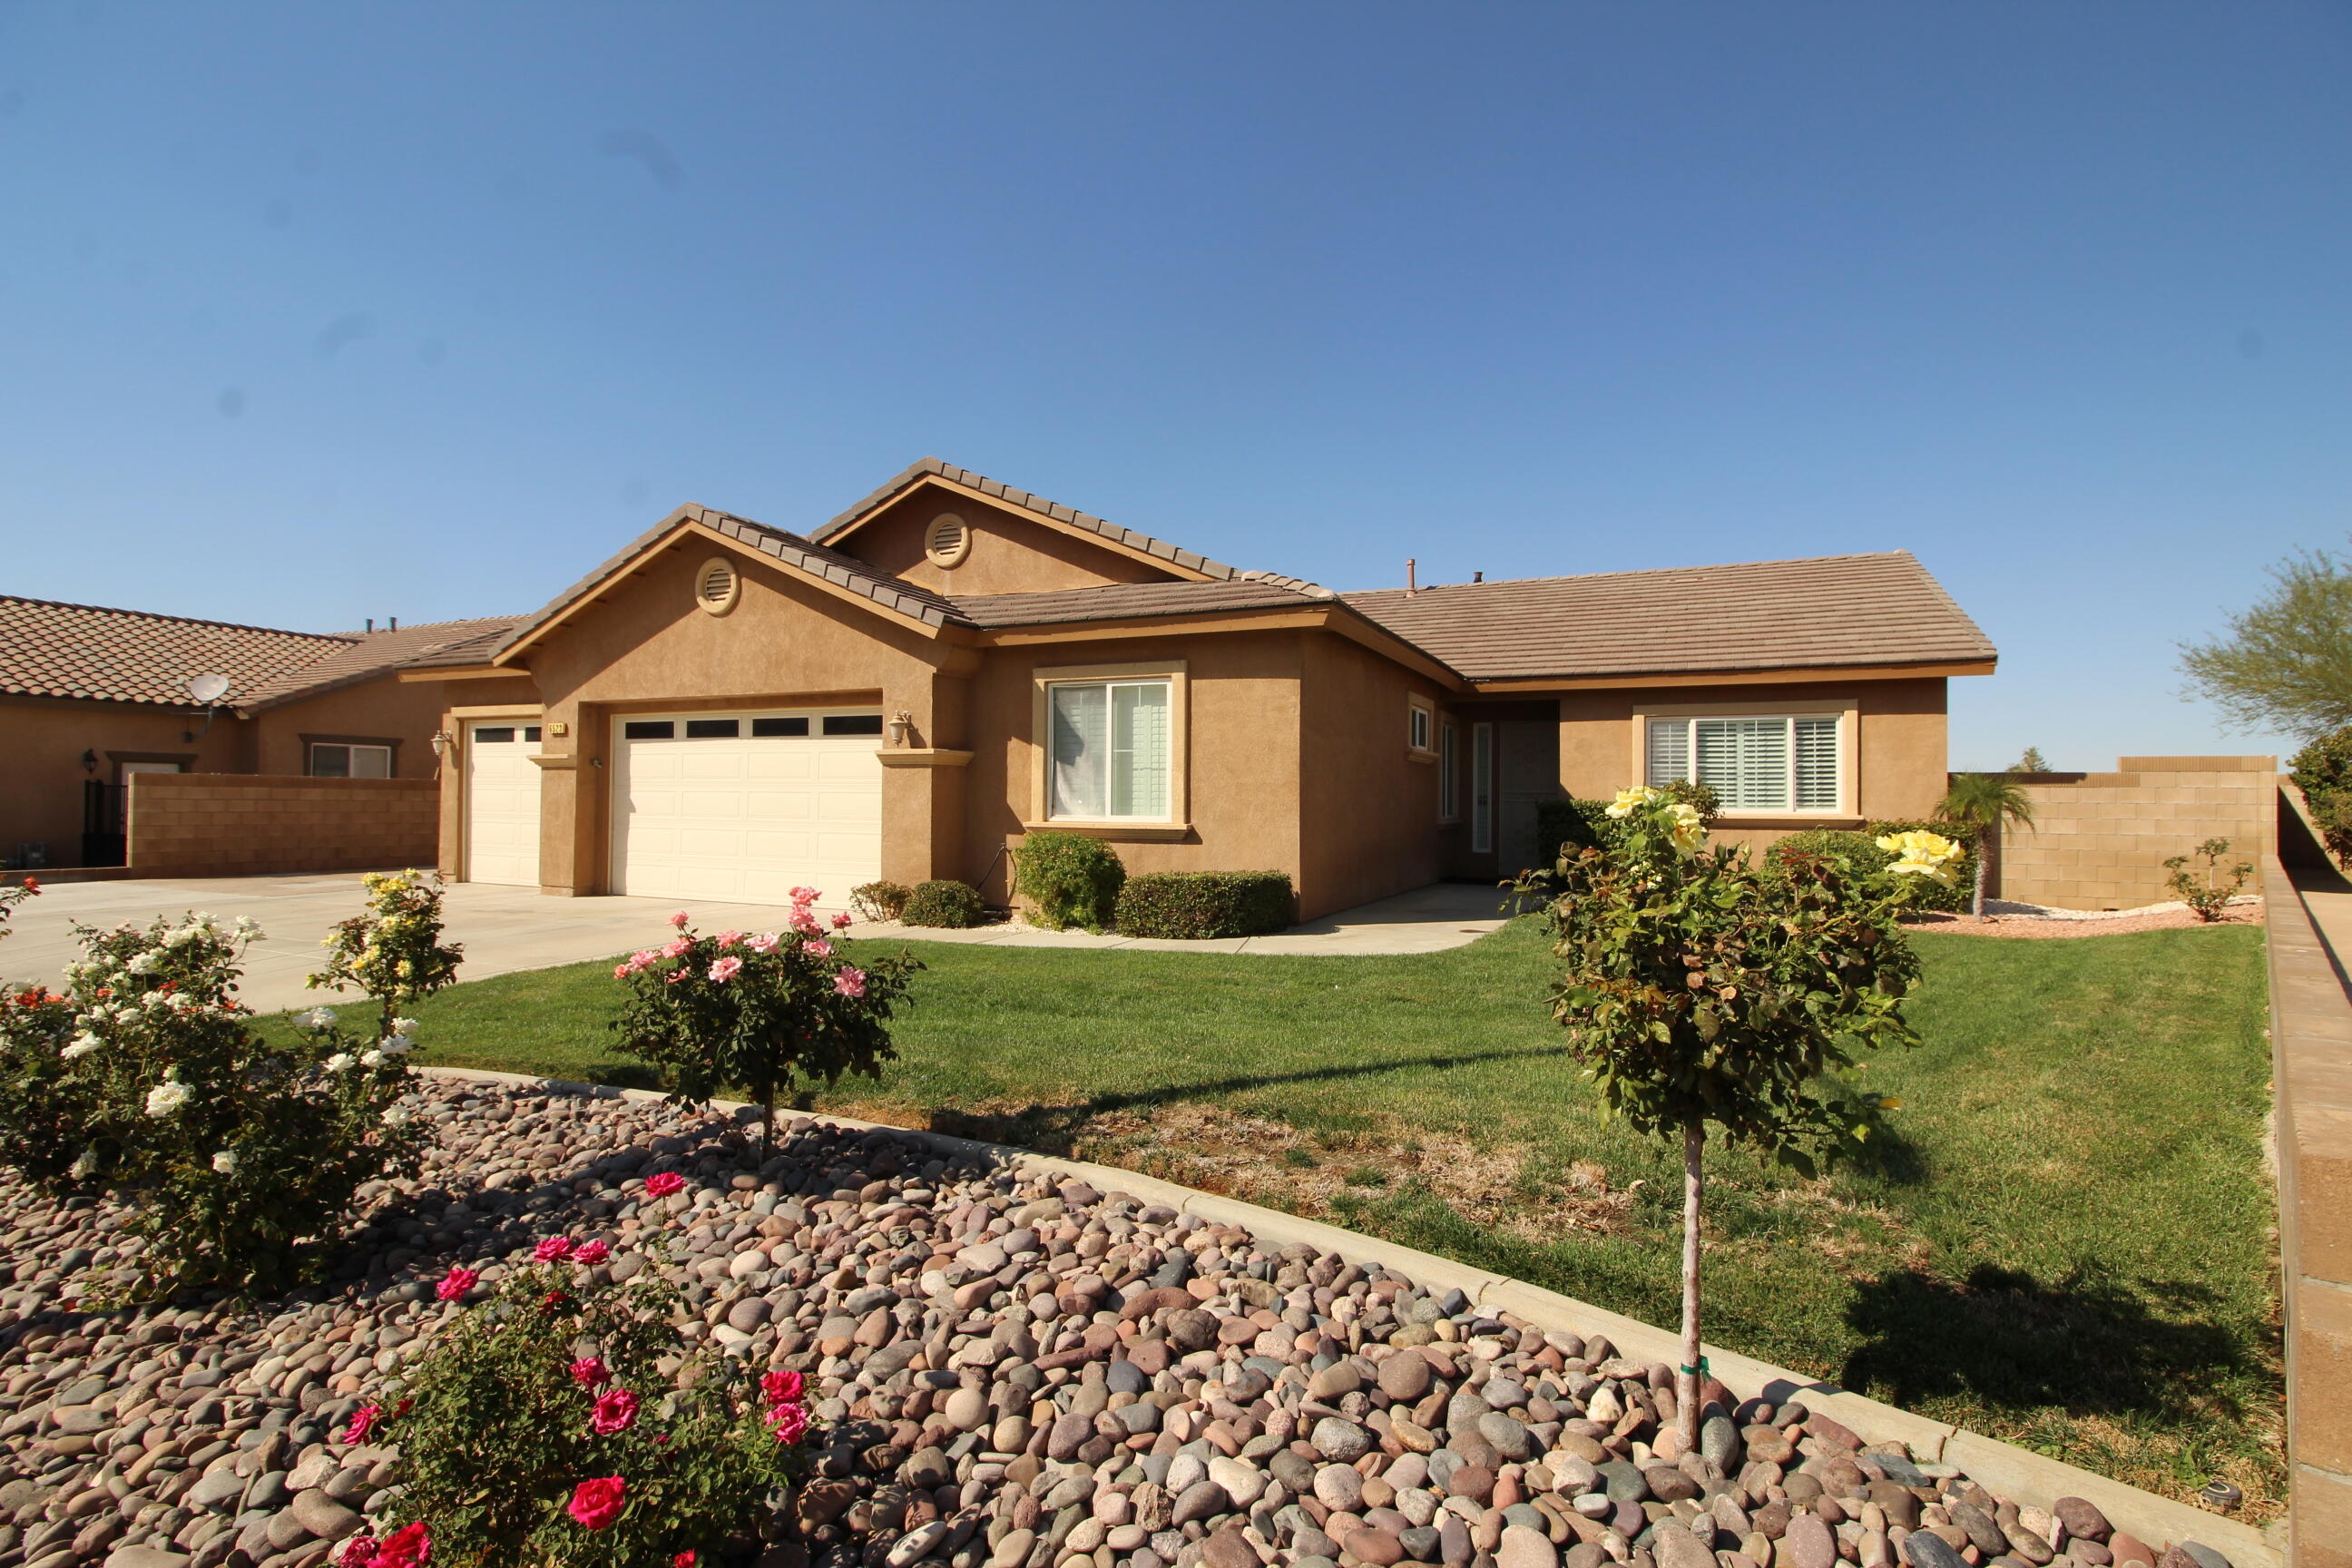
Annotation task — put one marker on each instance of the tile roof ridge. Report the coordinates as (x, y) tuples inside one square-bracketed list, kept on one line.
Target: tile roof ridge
[(345, 637), (1640, 571), (1281, 580)]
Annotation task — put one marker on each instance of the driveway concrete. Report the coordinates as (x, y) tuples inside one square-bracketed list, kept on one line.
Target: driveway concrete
[(506, 929)]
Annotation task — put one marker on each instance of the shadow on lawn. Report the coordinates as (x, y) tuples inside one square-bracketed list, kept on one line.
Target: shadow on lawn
[(1054, 1129), (2086, 1343)]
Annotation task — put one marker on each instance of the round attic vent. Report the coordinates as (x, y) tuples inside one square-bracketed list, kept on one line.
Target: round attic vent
[(716, 585), (949, 541)]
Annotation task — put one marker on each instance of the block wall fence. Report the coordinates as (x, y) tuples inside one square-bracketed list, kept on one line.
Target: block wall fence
[(2099, 841), (245, 825)]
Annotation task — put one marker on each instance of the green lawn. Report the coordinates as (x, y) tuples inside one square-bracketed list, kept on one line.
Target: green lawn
[(2063, 1239)]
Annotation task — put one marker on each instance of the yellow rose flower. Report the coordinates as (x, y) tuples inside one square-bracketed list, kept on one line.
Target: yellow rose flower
[(1628, 799)]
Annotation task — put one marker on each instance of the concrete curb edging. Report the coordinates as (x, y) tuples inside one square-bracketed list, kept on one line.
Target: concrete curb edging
[(2019, 1473)]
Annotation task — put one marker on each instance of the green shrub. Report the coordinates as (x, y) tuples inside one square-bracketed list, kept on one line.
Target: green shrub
[(2323, 771), (1562, 825), (1197, 905), (1069, 879), (879, 901), (945, 903), (525, 1409), (1858, 852), (2208, 897), (234, 1151)]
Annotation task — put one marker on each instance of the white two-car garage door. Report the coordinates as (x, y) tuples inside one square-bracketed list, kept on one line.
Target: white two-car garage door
[(744, 807)]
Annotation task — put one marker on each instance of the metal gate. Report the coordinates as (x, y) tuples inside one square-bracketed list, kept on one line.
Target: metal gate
[(102, 804)]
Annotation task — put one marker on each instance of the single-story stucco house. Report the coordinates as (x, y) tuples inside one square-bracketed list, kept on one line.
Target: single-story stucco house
[(91, 697), (726, 710)]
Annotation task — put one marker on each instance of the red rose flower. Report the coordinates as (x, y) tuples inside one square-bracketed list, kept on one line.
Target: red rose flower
[(616, 1411), (597, 1504), (589, 1371), (781, 1387), (456, 1282), (683, 1559), (788, 1422), (591, 1253), (405, 1548), (661, 1184), (362, 1422)]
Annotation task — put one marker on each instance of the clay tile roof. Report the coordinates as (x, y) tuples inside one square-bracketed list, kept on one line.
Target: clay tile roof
[(366, 655), (1765, 614), (1121, 601), (997, 490), (88, 652)]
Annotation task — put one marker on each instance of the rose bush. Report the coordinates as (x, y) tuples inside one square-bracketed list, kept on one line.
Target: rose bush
[(566, 1421), (234, 1149), (759, 1012), (393, 951)]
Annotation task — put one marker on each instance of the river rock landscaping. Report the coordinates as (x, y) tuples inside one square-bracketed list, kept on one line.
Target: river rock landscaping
[(1003, 1370)]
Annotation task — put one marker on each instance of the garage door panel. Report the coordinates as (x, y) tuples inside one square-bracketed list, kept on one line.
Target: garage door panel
[(502, 794), (746, 818)]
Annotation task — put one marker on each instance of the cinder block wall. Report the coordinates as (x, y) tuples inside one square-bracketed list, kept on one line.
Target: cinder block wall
[(2100, 840), (233, 825)]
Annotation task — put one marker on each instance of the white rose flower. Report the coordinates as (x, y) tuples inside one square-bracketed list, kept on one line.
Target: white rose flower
[(397, 1046), (83, 1044), (168, 1096), (396, 1116), (339, 1061), (404, 1026), (142, 963), (224, 1162), (372, 1059), (317, 1018), (247, 926), (85, 1164)]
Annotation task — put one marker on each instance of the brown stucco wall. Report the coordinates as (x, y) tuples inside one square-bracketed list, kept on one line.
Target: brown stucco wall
[(1366, 807), (2099, 841), (232, 825), (1900, 756), (43, 741), (1012, 552), (1242, 766)]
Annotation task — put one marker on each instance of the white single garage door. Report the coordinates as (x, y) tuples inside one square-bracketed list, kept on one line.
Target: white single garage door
[(744, 807), (502, 803)]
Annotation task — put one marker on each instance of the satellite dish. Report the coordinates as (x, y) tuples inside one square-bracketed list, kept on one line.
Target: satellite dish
[(207, 689)]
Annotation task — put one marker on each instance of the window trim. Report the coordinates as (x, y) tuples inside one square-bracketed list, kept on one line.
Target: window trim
[(1174, 672), (1846, 710), (310, 744), (1420, 713), (1481, 788), (1449, 769)]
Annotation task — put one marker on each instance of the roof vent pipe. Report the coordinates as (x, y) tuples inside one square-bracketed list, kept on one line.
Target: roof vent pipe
[(1409, 564), (371, 623), (1478, 577), (392, 625)]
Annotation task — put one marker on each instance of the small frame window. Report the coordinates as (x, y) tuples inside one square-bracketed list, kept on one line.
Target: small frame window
[(770, 729), (713, 729), (1421, 728), (342, 759), (853, 723), (648, 729), (494, 734)]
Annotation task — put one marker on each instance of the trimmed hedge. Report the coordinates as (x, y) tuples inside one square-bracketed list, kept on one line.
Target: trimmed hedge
[(1859, 850), (950, 904), (1196, 905), (879, 901), (1071, 880)]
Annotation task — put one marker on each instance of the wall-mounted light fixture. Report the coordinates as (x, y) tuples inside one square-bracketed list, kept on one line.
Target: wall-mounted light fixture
[(90, 762), (901, 723)]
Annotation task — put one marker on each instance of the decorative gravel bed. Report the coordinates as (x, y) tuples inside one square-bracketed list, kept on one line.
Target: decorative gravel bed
[(1006, 1372)]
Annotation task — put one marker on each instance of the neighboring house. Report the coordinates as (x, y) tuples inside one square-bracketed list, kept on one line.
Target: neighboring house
[(89, 697), (725, 711)]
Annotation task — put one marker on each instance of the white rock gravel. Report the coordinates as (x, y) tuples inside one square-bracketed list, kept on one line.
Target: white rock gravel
[(1004, 1372)]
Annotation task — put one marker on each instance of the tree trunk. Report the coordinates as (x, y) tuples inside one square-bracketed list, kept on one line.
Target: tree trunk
[(1689, 1379), (1984, 859)]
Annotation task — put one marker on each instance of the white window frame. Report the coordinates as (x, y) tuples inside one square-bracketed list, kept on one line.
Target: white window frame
[(1421, 728), (348, 749), (1173, 822), (1843, 715)]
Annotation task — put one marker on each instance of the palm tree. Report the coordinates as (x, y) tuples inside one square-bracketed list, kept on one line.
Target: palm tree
[(1980, 805)]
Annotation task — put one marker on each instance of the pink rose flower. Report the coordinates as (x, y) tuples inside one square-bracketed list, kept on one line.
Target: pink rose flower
[(363, 1421), (456, 1282), (597, 1504), (591, 1253), (805, 895), (805, 923), (729, 938), (850, 981), (623, 971), (782, 1386), (788, 1422), (841, 923), (616, 1411), (820, 949), (679, 920), (674, 976), (590, 1372), (661, 1184), (726, 969), (552, 1249), (677, 949), (766, 942)]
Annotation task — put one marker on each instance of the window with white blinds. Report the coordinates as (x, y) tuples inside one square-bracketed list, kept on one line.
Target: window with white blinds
[(1111, 745), (1785, 763)]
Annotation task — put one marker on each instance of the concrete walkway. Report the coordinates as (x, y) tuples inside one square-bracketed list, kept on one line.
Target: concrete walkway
[(507, 929)]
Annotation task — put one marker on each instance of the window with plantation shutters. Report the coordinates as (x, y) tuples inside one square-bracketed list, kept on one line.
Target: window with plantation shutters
[(1109, 759), (1772, 763)]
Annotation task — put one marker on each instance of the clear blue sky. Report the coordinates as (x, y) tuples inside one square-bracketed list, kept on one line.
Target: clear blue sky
[(314, 312)]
